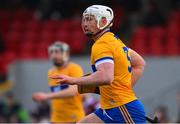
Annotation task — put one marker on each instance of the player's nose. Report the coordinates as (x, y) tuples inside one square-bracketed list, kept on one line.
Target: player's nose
[(85, 27), (85, 23)]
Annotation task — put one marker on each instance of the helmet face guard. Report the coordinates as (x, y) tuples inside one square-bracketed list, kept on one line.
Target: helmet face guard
[(86, 19)]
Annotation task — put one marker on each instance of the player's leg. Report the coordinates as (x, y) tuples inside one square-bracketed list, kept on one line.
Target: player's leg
[(133, 112), (105, 116), (91, 118)]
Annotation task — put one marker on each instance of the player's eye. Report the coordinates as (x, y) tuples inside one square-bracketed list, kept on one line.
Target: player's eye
[(56, 51), (90, 19), (86, 19), (52, 51)]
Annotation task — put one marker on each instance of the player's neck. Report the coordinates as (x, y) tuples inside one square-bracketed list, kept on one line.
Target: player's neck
[(100, 34), (63, 66)]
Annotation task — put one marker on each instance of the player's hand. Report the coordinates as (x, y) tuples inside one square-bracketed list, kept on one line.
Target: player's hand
[(40, 96), (63, 79)]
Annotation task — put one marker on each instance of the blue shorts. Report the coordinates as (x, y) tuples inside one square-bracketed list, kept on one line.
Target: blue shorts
[(132, 112)]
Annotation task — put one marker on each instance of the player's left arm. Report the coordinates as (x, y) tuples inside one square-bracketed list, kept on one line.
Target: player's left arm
[(138, 65), (103, 76), (104, 64)]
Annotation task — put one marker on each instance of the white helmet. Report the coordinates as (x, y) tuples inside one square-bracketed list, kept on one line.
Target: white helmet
[(99, 12), (63, 47), (58, 45)]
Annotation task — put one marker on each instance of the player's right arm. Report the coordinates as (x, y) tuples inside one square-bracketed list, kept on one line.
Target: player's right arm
[(72, 90), (43, 96), (138, 65)]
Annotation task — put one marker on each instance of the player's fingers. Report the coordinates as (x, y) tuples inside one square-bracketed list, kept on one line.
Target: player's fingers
[(35, 98), (56, 76), (39, 99), (60, 81)]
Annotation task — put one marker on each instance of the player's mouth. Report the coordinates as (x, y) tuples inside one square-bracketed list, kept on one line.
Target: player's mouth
[(86, 29)]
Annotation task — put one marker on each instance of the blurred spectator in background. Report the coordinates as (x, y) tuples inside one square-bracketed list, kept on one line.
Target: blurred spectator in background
[(1, 45), (44, 9), (13, 110), (30, 3), (44, 111), (2, 74), (90, 103), (162, 113), (2, 112), (131, 6), (3, 77), (154, 16), (41, 113), (131, 17), (35, 117), (56, 9), (175, 4)]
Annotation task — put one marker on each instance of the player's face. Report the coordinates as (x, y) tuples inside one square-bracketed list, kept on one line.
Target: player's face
[(57, 57), (89, 24)]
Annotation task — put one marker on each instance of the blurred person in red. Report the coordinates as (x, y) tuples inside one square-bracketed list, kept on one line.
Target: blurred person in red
[(162, 113)]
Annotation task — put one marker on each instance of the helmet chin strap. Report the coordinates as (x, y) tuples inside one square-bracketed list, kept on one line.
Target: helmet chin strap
[(89, 34)]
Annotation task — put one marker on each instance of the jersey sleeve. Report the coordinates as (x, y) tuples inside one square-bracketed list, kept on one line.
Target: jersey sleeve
[(76, 71), (48, 77), (51, 82), (102, 53)]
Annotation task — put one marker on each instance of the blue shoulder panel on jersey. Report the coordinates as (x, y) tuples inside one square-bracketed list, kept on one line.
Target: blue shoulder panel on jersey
[(58, 88)]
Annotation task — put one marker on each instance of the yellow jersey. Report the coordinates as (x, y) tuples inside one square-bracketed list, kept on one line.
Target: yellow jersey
[(109, 48), (67, 109)]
